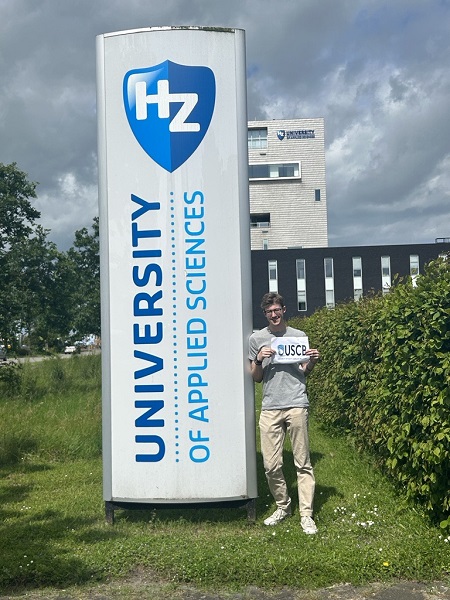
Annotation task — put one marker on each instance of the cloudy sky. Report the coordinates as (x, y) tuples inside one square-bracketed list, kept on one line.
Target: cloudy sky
[(378, 71)]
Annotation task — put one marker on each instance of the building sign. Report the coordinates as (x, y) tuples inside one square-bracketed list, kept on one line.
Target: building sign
[(302, 134), (178, 414)]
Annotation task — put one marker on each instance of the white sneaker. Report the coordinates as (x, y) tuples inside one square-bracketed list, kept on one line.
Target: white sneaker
[(308, 525), (278, 516)]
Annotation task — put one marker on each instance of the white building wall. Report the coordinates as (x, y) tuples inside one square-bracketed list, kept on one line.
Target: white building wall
[(296, 218)]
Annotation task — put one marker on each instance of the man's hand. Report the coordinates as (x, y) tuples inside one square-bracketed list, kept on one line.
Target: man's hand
[(256, 364), (264, 352), (313, 354)]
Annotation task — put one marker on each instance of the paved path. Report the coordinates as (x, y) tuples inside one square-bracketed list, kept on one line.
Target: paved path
[(142, 587)]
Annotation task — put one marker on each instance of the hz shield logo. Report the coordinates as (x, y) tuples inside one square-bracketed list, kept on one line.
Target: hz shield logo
[(280, 134), (169, 108)]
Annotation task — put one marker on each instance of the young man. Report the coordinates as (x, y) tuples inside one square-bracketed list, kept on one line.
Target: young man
[(284, 408)]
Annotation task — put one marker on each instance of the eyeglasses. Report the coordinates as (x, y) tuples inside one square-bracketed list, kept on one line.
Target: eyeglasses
[(276, 311)]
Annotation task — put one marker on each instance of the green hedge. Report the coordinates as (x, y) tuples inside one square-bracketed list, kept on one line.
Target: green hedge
[(384, 379)]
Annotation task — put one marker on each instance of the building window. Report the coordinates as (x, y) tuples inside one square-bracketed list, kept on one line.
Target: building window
[(317, 195), (300, 266), (265, 244), (357, 278), (257, 138), (301, 283), (273, 275), (385, 274), (260, 220), (414, 268), (275, 171), (329, 282)]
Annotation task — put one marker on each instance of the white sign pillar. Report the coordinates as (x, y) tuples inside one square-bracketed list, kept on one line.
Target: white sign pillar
[(178, 405)]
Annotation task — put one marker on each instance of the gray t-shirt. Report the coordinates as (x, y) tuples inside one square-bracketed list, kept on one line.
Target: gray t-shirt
[(284, 385)]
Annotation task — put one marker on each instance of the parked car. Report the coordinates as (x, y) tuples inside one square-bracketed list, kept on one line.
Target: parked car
[(70, 350)]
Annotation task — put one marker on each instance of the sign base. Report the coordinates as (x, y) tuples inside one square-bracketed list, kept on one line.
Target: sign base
[(249, 504)]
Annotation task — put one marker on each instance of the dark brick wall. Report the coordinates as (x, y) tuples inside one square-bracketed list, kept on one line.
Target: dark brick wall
[(343, 272)]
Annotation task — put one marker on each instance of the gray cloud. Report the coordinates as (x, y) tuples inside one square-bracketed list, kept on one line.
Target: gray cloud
[(376, 71)]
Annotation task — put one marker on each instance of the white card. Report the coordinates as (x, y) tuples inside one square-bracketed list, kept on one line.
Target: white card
[(290, 349)]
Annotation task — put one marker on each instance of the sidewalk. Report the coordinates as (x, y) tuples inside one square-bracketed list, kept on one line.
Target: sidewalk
[(141, 587)]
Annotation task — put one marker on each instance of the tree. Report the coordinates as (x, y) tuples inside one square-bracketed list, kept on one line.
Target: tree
[(17, 215), (84, 257), (17, 224), (43, 283), (44, 293)]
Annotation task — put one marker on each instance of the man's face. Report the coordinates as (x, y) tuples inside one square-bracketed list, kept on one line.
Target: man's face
[(274, 314)]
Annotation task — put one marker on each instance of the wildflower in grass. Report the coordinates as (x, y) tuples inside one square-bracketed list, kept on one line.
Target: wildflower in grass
[(366, 523), (386, 563), (340, 510)]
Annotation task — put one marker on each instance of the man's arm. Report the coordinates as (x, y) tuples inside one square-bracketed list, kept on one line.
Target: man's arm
[(314, 356), (256, 365), (256, 369)]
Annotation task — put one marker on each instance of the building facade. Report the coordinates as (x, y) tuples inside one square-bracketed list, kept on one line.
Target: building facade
[(311, 278), (288, 198)]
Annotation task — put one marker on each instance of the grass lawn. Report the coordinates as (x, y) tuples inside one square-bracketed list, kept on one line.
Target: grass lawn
[(53, 530)]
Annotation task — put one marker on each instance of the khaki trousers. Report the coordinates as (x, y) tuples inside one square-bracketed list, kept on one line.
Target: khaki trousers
[(273, 425)]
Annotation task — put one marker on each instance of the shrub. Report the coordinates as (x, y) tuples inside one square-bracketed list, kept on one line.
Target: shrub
[(10, 378), (383, 379)]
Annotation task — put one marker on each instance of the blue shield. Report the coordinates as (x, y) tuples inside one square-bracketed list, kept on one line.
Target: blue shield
[(280, 134), (169, 108)]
